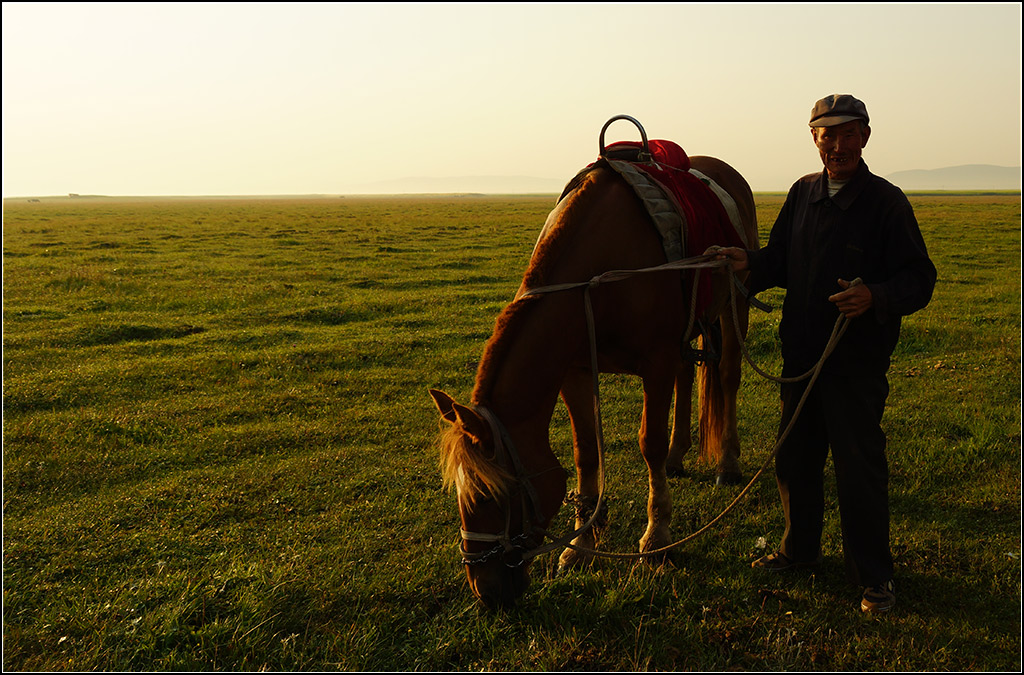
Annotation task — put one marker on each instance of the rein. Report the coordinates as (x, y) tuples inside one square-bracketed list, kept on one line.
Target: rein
[(507, 544)]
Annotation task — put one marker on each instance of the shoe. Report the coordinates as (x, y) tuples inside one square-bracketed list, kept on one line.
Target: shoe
[(879, 599), (778, 562)]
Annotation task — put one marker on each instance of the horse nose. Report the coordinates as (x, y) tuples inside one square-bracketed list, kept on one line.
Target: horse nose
[(499, 592), (494, 597)]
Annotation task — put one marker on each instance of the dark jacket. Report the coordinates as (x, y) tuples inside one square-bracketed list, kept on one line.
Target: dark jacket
[(866, 230)]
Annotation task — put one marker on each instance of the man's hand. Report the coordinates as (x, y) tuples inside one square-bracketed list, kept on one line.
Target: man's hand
[(737, 256), (853, 300)]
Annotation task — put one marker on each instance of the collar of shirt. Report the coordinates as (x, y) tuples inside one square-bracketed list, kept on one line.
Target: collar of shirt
[(846, 196)]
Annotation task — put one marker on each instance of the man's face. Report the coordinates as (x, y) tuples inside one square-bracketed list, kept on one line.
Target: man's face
[(840, 147)]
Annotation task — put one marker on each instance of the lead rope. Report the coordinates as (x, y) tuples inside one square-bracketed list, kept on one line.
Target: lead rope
[(842, 323)]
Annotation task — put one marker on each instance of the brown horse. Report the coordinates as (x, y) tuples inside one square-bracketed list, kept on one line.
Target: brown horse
[(497, 453)]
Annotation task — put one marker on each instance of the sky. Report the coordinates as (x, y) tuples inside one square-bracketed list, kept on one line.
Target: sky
[(348, 98)]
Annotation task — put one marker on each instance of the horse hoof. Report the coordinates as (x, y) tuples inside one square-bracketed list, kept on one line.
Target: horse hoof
[(678, 472), (572, 560), (729, 478)]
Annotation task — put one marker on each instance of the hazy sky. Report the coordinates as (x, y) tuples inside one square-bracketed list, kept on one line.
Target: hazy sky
[(294, 98)]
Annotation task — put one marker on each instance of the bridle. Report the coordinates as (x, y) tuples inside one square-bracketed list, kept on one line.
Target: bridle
[(514, 550), (520, 549)]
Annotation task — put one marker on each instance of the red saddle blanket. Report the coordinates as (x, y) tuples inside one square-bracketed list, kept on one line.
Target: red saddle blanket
[(707, 222)]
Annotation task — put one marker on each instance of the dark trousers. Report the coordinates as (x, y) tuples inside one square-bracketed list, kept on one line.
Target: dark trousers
[(844, 414)]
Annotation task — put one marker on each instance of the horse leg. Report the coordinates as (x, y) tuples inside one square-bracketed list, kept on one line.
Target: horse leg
[(577, 393), (681, 442), (730, 366), (654, 447)]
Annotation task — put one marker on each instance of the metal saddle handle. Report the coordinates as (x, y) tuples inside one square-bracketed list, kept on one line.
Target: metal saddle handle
[(645, 153)]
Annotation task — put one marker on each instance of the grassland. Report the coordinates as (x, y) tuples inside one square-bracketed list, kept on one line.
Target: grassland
[(219, 454)]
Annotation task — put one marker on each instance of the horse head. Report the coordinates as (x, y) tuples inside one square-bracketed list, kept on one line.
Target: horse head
[(503, 507)]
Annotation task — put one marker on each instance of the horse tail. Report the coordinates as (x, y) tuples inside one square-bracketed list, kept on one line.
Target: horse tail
[(711, 405)]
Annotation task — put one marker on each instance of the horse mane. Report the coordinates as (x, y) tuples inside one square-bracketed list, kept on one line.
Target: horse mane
[(544, 259), (551, 247), (465, 466)]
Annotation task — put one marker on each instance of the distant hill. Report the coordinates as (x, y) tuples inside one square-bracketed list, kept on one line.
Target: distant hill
[(964, 177)]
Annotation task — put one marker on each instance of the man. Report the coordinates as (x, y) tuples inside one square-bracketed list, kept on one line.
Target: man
[(836, 226)]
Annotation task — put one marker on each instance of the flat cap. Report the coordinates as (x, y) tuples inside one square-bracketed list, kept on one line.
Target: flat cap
[(837, 109)]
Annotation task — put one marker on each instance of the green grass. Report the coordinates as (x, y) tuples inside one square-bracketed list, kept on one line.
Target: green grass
[(219, 454)]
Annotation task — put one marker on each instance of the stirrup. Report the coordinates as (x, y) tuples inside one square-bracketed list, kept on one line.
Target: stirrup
[(711, 338)]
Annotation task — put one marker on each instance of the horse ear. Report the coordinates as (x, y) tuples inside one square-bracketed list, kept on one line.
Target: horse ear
[(472, 423), (445, 405), (452, 412)]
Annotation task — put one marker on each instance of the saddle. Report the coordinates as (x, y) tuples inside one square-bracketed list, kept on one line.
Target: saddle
[(688, 209)]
